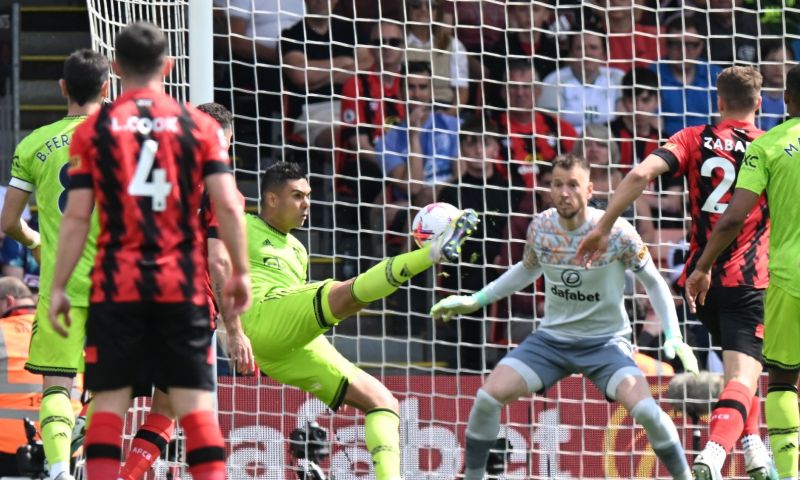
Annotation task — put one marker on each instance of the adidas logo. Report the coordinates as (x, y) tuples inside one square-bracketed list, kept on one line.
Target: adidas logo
[(789, 446)]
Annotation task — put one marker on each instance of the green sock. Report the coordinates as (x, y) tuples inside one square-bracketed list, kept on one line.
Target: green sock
[(56, 419), (783, 420), (384, 278), (382, 434)]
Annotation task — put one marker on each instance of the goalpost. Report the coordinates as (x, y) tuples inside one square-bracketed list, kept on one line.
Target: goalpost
[(224, 50)]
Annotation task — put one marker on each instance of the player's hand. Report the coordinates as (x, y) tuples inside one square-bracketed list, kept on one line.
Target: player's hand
[(59, 305), (241, 353), (236, 294), (591, 248), (697, 285), (454, 305), (676, 346)]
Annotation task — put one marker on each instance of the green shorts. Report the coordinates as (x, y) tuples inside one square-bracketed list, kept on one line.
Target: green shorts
[(285, 329), (781, 329), (50, 353)]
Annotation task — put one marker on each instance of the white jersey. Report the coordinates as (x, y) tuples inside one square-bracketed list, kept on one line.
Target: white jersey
[(582, 302)]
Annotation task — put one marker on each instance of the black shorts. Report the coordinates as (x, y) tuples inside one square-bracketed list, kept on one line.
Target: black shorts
[(143, 343), (734, 316)]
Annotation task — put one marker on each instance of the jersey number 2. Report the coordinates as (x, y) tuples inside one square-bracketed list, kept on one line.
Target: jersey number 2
[(159, 188), (712, 204)]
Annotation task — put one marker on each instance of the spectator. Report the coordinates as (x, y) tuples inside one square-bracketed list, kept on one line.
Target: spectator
[(636, 130), (483, 189), (688, 96), (422, 149), (732, 32), (22, 392), (774, 57), (319, 56), (532, 135), (433, 42), (527, 37), (479, 23), (630, 43), (254, 29), (585, 91), (18, 261)]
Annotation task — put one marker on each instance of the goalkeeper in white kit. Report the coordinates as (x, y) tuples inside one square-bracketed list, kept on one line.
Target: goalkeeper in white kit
[(585, 328)]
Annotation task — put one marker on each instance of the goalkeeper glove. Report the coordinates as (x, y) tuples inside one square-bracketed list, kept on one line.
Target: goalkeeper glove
[(455, 305), (676, 346)]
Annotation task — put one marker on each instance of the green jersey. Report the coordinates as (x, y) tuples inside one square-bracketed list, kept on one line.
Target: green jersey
[(772, 163), (277, 260), (40, 164)]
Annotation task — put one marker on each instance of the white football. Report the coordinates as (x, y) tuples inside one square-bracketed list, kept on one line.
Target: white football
[(432, 220)]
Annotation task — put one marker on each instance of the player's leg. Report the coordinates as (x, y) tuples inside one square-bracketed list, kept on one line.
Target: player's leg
[(782, 357), (611, 367), (58, 359), (381, 423), (531, 367), (103, 443), (734, 316), (183, 343), (152, 437), (386, 277)]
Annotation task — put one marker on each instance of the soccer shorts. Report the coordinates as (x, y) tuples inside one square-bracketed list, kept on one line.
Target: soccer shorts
[(781, 329), (542, 358), (137, 344), (50, 353), (734, 317), (285, 329)]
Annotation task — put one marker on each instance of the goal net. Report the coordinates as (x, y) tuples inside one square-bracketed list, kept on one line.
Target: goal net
[(393, 105)]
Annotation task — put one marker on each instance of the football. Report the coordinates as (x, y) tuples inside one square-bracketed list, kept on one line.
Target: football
[(431, 221)]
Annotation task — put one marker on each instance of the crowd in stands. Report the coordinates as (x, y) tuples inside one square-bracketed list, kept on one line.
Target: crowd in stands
[(416, 101)]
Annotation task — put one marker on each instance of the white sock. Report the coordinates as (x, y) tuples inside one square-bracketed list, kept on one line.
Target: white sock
[(714, 455), (755, 452), (57, 468)]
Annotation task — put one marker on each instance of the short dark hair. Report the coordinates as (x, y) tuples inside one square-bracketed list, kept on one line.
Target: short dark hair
[(639, 80), (419, 68), (518, 65), (218, 112), (140, 48), (793, 82), (477, 126), (680, 23), (740, 87), (14, 287), (278, 174), (84, 73), (569, 160)]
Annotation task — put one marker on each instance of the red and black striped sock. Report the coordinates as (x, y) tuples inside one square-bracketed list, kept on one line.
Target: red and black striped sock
[(151, 439), (730, 414), (103, 446), (205, 448)]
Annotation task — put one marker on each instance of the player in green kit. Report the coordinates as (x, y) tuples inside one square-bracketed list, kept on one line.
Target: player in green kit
[(40, 164), (289, 316), (771, 164)]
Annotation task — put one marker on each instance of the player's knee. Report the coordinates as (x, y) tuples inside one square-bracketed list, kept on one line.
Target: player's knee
[(486, 403)]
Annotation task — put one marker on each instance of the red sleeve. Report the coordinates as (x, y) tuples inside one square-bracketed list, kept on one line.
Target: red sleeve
[(82, 156), (213, 146), (352, 108), (677, 151)]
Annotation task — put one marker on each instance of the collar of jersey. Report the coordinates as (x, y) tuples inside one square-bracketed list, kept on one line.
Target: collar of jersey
[(271, 227)]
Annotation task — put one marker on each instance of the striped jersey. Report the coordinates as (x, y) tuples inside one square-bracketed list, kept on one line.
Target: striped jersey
[(144, 156)]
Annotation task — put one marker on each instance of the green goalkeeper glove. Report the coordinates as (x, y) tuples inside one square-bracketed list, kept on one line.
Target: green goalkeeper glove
[(455, 305), (676, 346)]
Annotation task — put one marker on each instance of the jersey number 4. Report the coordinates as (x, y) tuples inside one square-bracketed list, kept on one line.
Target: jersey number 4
[(159, 188), (712, 204)]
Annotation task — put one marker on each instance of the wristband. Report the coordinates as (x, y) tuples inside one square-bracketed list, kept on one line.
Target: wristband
[(37, 241), (480, 297)]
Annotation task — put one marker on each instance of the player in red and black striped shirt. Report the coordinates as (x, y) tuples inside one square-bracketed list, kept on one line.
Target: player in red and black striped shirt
[(709, 157), (141, 159)]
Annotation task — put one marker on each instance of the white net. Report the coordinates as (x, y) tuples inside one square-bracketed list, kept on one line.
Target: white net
[(369, 96)]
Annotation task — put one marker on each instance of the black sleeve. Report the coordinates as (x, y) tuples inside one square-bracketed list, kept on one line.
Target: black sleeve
[(215, 166)]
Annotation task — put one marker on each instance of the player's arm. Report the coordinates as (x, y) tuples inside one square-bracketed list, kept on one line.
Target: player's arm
[(725, 231), (219, 269), (513, 280), (631, 187), (12, 223), (664, 306), (74, 230), (227, 207)]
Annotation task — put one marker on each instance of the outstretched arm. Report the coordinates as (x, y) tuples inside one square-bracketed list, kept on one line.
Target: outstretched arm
[(664, 306), (513, 280), (725, 231), (634, 183)]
